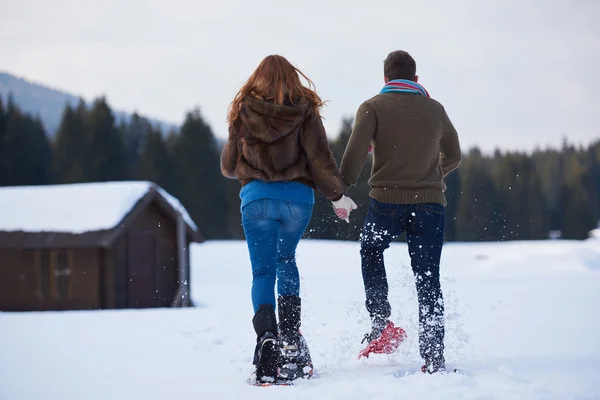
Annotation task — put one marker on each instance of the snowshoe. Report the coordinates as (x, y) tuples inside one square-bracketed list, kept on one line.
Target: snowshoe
[(294, 358), (266, 357), (252, 381), (266, 352), (384, 341), (431, 370)]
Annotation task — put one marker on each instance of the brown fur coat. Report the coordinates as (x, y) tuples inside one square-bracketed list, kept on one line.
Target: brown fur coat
[(273, 142)]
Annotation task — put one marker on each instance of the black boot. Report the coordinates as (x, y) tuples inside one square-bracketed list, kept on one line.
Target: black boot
[(377, 326), (295, 360), (267, 346)]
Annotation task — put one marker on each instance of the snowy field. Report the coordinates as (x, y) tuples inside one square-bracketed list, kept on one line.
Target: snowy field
[(523, 322)]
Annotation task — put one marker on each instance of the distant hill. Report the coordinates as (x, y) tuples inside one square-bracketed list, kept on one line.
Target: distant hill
[(49, 104)]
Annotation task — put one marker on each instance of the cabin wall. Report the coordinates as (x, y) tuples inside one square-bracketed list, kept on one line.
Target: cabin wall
[(17, 280), (117, 265), (160, 278), (154, 219), (49, 279)]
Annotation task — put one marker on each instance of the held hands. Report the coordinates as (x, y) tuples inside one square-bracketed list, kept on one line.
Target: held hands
[(343, 207)]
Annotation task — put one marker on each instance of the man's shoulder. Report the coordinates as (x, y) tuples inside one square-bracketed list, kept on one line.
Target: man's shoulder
[(367, 106), (369, 103), (383, 99), (435, 103)]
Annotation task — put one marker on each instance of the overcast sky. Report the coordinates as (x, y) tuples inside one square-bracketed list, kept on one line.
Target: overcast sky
[(513, 75)]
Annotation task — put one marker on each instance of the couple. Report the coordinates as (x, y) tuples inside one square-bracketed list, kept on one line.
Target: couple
[(278, 149)]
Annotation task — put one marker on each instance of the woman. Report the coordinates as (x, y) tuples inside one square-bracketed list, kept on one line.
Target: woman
[(278, 149)]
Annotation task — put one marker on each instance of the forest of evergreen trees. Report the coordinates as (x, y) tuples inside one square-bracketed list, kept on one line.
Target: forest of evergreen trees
[(504, 196)]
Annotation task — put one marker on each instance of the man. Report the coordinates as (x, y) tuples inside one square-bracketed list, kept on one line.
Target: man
[(414, 146)]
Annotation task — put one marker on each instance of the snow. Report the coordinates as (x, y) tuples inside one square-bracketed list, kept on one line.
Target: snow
[(522, 322), (74, 208)]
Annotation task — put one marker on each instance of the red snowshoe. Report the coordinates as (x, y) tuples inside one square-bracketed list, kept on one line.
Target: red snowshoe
[(386, 343)]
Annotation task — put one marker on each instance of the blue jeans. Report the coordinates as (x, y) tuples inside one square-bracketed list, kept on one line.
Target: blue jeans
[(424, 227), (273, 229)]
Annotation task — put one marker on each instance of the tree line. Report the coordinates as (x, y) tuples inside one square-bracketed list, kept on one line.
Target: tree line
[(502, 196)]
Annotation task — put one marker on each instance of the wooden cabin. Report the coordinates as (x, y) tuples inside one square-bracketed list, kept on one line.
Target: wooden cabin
[(94, 246)]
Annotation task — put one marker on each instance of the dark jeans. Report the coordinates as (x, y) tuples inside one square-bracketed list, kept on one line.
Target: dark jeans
[(273, 229), (424, 228)]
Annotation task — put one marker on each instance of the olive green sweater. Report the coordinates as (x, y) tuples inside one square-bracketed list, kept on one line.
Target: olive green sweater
[(414, 147)]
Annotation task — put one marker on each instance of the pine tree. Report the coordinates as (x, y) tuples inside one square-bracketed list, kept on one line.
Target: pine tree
[(7, 113), (338, 146), (3, 119), (578, 217), (70, 146), (535, 212), (508, 181), (41, 149), (453, 198), (548, 167), (524, 200), (105, 158), (198, 182), (593, 183), (134, 135), (154, 162), (477, 214), (27, 156), (232, 194)]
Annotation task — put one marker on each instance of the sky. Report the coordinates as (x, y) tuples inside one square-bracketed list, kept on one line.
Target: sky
[(513, 75)]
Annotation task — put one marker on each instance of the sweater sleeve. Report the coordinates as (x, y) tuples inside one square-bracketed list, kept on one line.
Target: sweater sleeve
[(358, 144), (449, 147), (322, 165), (229, 155)]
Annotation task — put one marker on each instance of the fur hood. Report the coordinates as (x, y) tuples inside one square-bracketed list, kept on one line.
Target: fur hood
[(271, 142), (269, 122)]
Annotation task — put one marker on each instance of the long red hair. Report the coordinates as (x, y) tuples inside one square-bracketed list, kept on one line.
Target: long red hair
[(275, 78)]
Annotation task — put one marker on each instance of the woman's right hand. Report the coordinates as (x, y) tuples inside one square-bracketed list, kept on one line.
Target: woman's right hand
[(343, 207)]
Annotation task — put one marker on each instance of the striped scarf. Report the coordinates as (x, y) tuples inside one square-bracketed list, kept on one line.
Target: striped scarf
[(405, 86), (402, 86)]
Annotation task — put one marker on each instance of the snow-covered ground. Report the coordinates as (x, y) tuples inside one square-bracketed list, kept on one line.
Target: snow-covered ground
[(523, 322)]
